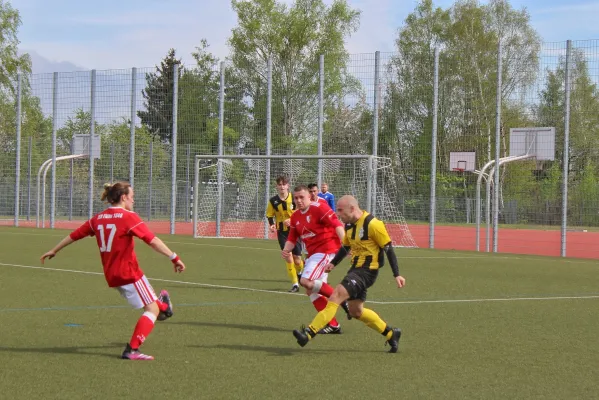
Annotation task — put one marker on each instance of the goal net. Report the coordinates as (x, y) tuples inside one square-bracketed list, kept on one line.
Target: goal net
[(231, 192)]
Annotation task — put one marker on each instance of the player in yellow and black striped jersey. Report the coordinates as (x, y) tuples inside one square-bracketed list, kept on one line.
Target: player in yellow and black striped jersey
[(278, 212), (367, 239)]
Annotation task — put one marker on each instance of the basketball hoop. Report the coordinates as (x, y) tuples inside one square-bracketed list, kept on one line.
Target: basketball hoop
[(461, 166)]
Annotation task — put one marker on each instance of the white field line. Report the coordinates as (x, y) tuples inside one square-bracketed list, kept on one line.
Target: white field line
[(443, 301)]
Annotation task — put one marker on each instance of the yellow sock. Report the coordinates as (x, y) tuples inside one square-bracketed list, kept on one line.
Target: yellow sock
[(372, 320), (300, 267), (291, 272), (324, 317)]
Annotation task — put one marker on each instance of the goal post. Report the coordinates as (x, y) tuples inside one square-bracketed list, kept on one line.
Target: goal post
[(231, 192)]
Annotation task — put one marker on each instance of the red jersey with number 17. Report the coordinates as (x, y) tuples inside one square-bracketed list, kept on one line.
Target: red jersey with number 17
[(114, 229), (316, 227)]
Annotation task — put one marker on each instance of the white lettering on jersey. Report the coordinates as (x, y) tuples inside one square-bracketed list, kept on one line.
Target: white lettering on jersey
[(110, 216)]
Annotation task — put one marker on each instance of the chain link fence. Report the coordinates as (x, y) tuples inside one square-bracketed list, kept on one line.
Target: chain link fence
[(153, 121)]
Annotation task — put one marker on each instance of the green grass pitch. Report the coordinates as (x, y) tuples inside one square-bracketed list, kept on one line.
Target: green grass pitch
[(474, 326)]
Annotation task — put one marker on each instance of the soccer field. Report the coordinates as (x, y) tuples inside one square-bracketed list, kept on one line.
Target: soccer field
[(474, 326)]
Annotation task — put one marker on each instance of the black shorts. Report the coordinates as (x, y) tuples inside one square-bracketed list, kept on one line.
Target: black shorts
[(357, 281), (282, 236)]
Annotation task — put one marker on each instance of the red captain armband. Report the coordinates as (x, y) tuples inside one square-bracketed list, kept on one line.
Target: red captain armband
[(174, 258)]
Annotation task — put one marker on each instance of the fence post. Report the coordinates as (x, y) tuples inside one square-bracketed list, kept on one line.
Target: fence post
[(150, 180), (187, 183), (497, 148), (268, 137), (320, 117), (18, 150), (29, 178), (92, 129), (54, 128), (112, 162), (433, 204), (132, 126), (219, 164), (71, 181), (566, 160), (174, 150)]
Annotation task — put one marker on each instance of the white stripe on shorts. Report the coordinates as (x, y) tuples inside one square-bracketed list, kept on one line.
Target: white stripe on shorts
[(139, 293)]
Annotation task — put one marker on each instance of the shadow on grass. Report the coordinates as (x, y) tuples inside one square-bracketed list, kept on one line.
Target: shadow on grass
[(80, 350), (281, 351), (234, 326)]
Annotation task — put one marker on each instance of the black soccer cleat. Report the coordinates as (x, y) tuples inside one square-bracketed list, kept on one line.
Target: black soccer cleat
[(165, 298), (330, 330), (394, 341), (294, 289), (303, 336), (345, 307)]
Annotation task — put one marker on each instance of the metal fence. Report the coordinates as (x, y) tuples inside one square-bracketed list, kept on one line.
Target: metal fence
[(413, 107)]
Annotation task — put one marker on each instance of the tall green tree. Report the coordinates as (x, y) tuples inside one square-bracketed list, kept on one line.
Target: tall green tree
[(294, 36), (11, 63), (158, 98), (199, 90), (467, 34), (33, 122)]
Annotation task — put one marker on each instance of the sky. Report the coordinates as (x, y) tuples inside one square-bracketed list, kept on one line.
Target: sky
[(70, 35)]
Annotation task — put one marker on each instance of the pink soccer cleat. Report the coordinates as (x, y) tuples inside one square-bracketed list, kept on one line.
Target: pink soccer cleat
[(130, 354)]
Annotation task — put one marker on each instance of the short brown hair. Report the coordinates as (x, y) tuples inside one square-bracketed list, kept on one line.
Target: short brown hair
[(299, 188), (282, 179), (113, 192)]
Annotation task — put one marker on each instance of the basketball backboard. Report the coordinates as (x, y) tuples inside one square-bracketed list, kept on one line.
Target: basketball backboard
[(537, 142), (462, 161), (81, 145)]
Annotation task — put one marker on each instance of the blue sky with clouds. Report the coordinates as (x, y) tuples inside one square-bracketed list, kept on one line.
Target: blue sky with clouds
[(64, 35)]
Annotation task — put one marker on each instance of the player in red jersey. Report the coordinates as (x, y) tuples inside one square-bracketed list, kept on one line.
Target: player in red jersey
[(322, 233), (314, 198), (114, 229)]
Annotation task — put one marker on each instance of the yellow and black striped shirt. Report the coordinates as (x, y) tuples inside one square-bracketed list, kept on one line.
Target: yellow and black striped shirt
[(366, 238), (280, 210)]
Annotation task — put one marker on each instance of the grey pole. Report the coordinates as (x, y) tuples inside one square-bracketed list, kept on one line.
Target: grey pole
[(150, 180), (29, 179), (496, 183), (433, 204), (219, 165), (91, 146), (54, 129), (187, 183), (132, 127), (174, 143), (71, 183), (268, 138), (488, 208), (375, 127), (111, 162), (18, 150), (196, 187), (320, 117), (566, 160)]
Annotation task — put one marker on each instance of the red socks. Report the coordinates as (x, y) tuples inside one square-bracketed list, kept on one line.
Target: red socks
[(144, 326)]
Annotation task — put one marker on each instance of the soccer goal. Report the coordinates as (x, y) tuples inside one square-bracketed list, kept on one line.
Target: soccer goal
[(231, 192)]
